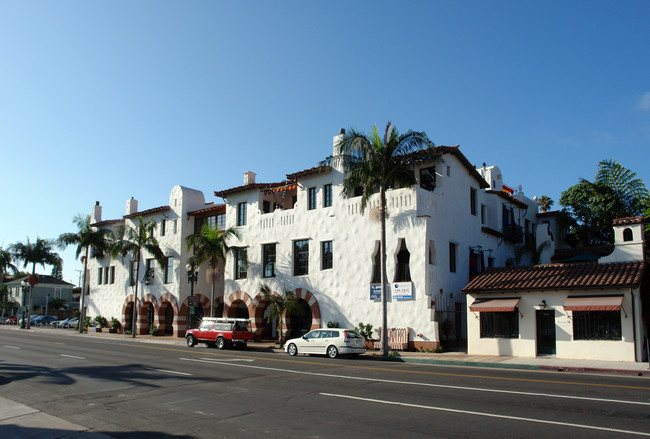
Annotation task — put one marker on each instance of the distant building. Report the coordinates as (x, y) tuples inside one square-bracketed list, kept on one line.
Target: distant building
[(47, 289), (590, 309)]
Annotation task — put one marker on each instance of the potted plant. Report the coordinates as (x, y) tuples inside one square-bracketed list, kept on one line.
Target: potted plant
[(100, 323), (86, 323), (365, 330), (116, 326), (153, 330)]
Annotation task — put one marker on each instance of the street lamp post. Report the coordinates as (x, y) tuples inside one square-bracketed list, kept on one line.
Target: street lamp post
[(25, 286), (192, 276)]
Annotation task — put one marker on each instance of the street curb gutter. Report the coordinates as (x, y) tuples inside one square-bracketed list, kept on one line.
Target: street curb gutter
[(574, 369)]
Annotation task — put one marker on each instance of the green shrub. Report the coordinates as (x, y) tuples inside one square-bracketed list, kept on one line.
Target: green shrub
[(153, 330), (364, 330), (115, 324), (332, 324), (100, 321)]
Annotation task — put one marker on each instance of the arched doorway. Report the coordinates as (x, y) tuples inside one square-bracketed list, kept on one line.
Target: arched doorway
[(128, 317), (197, 316), (269, 326), (218, 312), (238, 310), (299, 320), (168, 322), (149, 309)]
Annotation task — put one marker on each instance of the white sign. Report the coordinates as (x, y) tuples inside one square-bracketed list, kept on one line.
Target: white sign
[(402, 290)]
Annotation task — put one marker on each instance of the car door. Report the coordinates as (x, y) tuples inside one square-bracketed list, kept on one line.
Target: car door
[(309, 342)]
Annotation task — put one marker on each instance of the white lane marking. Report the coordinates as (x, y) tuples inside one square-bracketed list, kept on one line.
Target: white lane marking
[(411, 383), (247, 360), (169, 371), (489, 415), (12, 347), (73, 356)]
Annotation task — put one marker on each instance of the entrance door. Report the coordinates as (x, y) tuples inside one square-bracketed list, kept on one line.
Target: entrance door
[(545, 331)]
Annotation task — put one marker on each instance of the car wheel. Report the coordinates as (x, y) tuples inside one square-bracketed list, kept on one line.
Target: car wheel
[(221, 343), (332, 352), (191, 341), (292, 350)]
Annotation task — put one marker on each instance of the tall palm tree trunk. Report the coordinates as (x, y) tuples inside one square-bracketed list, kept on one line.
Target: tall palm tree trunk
[(384, 279), (134, 324), (82, 299), (29, 299), (212, 300)]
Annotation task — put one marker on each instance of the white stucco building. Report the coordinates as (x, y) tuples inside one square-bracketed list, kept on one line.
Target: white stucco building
[(300, 234)]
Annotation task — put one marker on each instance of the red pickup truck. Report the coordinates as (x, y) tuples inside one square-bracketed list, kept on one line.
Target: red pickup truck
[(220, 332)]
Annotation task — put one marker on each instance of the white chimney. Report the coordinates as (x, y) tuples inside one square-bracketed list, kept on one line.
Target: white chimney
[(249, 178), (336, 140), (131, 206), (96, 214)]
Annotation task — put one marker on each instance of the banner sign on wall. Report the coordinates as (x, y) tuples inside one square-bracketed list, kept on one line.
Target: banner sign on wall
[(375, 291), (402, 290)]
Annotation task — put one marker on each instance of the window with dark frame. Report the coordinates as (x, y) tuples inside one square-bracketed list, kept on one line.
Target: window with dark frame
[(327, 195), (597, 325), (311, 198), (300, 257), (241, 214), (268, 260), (241, 263), (472, 201), (221, 221), (111, 278), (452, 257), (500, 324), (402, 270), (169, 266), (327, 255), (483, 214), (100, 278), (428, 178), (163, 226), (106, 275)]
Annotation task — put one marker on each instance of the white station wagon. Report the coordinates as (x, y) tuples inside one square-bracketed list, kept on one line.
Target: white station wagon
[(328, 341)]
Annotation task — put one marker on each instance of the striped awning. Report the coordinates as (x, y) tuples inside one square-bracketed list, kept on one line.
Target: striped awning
[(593, 303), (494, 305)]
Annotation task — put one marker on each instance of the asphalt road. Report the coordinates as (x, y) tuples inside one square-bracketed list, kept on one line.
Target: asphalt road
[(128, 389)]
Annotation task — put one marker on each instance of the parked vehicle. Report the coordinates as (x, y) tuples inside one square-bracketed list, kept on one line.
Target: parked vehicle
[(72, 323), (31, 319), (60, 323), (11, 320), (43, 320), (220, 332), (327, 341)]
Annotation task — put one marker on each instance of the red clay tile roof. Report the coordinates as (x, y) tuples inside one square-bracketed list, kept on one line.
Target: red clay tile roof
[(211, 209), (455, 150), (245, 188), (308, 172), (107, 223), (557, 276), (562, 254), (628, 221), (148, 212), (509, 198)]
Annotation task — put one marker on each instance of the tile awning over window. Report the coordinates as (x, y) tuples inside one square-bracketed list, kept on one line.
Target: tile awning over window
[(494, 305), (601, 303)]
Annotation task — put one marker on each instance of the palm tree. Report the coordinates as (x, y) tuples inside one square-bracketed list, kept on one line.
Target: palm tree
[(375, 163), (85, 238), (40, 252), (544, 203), (210, 245), (631, 190), (279, 304), (132, 241), (5, 265)]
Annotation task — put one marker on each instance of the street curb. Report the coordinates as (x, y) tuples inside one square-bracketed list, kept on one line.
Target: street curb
[(574, 369)]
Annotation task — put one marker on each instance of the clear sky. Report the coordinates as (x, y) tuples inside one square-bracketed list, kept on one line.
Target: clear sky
[(107, 100)]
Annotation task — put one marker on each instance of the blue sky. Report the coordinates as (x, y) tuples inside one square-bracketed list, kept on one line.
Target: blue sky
[(105, 100)]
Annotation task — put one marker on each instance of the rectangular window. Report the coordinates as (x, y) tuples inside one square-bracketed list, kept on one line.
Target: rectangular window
[(99, 276), (452, 257), (268, 260), (300, 257), (327, 195), (311, 198), (148, 271), (57, 293), (490, 262), (163, 227), (174, 227), (241, 214), (169, 269), (111, 277), (472, 201), (500, 324), (241, 263), (266, 206), (211, 221), (326, 255), (483, 214), (597, 325), (221, 221), (106, 276)]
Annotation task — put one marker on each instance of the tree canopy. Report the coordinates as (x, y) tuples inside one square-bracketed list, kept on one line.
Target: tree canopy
[(590, 208)]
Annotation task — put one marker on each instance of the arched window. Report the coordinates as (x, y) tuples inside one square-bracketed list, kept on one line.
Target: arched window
[(433, 257), (402, 273), (627, 235)]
